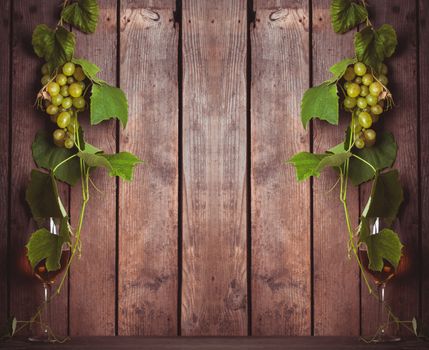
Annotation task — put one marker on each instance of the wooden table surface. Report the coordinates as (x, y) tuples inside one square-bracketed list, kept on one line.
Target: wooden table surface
[(216, 343)]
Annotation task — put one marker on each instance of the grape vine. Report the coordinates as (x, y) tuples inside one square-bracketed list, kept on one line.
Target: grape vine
[(367, 154), (70, 86)]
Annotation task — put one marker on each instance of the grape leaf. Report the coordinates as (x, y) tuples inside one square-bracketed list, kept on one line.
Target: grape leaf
[(108, 102), (90, 69), (47, 155), (320, 102), (42, 196), (383, 245), (382, 155), (372, 46), (310, 164), (83, 14), (46, 245), (339, 68), (386, 197), (120, 164), (55, 46), (8, 328), (346, 14)]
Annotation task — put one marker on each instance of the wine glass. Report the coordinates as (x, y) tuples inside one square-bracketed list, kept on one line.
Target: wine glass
[(387, 330), (41, 327)]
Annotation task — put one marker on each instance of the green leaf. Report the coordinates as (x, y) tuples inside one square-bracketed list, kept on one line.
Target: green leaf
[(122, 164), (46, 245), (8, 329), (42, 196), (83, 14), (309, 164), (382, 155), (386, 197), (383, 245), (346, 14), (47, 155), (90, 69), (320, 102), (108, 102), (55, 46), (373, 46), (339, 68)]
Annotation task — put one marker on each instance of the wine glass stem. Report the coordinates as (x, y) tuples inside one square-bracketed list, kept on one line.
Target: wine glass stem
[(382, 307), (46, 312)]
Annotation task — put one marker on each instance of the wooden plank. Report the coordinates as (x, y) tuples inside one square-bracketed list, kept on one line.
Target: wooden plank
[(402, 120), (26, 292), (214, 168), (336, 279), (224, 343), (5, 47), (93, 277), (424, 155), (148, 217), (281, 227)]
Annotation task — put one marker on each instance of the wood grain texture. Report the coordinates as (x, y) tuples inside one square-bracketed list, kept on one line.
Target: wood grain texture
[(26, 292), (424, 155), (148, 223), (93, 277), (281, 266), (214, 297), (336, 278), (403, 292), (5, 47)]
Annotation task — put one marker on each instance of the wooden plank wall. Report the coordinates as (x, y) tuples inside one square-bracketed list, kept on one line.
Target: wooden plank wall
[(214, 236)]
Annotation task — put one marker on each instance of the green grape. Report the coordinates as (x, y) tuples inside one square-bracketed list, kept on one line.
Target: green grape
[(365, 119), (384, 70), (73, 126), (79, 75), (79, 102), (70, 80), (45, 79), (52, 109), (353, 90), (383, 79), (45, 69), (75, 90), (346, 85), (59, 135), (376, 109), (68, 143), (372, 100), (53, 88), (67, 103), (369, 135), (81, 84), (69, 68), (364, 91), (361, 102), (63, 119), (349, 74), (375, 89), (61, 79), (64, 91), (367, 79), (358, 80), (359, 68), (57, 100), (355, 126), (349, 102), (359, 143)]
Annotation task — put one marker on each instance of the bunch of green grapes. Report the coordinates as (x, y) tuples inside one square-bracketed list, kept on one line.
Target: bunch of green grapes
[(63, 96), (366, 97)]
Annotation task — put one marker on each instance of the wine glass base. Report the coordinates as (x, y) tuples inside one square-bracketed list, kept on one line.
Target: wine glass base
[(41, 339), (386, 339)]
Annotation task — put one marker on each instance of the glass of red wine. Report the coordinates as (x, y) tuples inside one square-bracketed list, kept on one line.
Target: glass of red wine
[(387, 329), (41, 330)]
